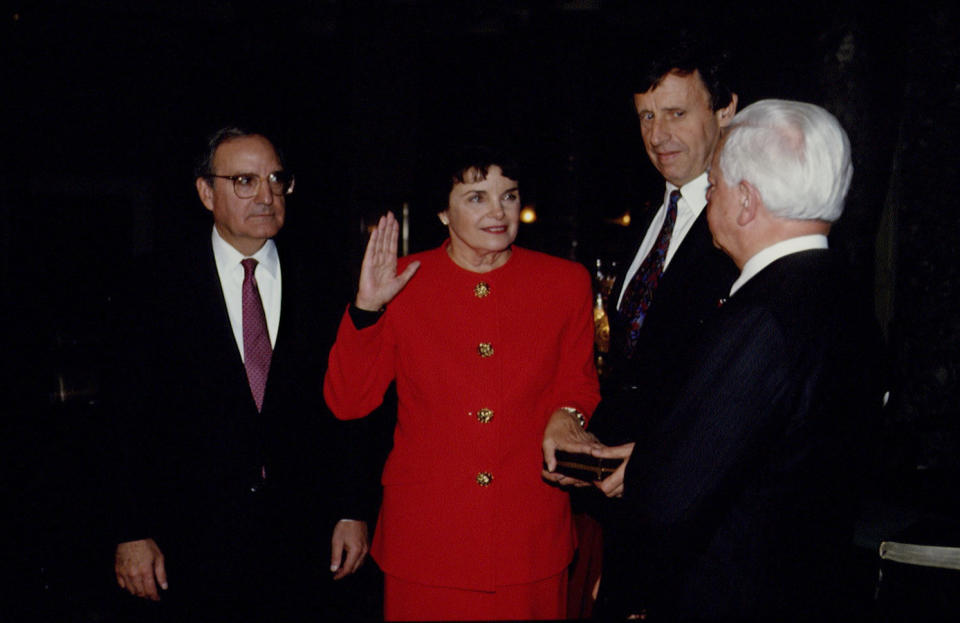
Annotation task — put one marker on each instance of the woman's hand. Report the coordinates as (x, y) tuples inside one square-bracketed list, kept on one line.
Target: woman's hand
[(563, 432), (379, 281)]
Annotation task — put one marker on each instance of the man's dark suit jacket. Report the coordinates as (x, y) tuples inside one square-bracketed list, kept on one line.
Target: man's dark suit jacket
[(634, 391), (742, 502), (194, 443), (697, 277)]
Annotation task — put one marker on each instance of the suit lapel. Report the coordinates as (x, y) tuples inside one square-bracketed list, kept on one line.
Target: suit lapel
[(287, 333), (626, 260), (695, 246), (224, 353), (224, 339)]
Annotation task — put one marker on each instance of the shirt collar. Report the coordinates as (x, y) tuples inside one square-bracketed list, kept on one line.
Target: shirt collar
[(228, 258), (693, 194), (773, 253)]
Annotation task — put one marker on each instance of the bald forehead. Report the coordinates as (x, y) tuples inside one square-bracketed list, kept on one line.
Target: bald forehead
[(245, 150)]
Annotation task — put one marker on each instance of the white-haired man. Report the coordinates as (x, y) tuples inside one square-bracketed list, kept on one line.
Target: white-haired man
[(744, 494)]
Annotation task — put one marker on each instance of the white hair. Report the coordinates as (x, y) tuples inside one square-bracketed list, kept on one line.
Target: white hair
[(795, 154)]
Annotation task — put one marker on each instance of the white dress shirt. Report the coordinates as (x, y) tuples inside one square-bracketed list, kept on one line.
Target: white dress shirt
[(267, 274), (693, 198), (773, 253)]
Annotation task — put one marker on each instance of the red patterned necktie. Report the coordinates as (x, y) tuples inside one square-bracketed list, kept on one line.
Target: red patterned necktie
[(256, 340), (639, 293)]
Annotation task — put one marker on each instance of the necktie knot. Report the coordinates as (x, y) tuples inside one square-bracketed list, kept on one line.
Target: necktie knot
[(249, 265), (674, 197)]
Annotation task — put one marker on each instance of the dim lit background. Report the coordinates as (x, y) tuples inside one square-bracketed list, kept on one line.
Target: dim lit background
[(105, 105)]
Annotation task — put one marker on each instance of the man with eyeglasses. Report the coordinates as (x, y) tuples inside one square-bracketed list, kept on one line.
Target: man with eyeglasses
[(234, 472)]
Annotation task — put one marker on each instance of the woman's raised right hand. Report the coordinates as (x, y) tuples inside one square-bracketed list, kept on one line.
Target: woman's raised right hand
[(379, 281)]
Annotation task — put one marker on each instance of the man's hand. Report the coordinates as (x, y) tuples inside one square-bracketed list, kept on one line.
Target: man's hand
[(563, 432), (348, 547), (379, 281), (612, 485), (139, 568)]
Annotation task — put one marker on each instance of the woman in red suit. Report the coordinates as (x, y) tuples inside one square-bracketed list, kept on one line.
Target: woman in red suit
[(491, 347)]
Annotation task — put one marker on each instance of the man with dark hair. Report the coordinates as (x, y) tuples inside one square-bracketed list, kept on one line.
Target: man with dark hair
[(673, 281), (685, 58), (235, 474), (676, 276)]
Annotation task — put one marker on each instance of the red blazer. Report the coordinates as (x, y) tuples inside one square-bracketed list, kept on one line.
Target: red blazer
[(462, 415)]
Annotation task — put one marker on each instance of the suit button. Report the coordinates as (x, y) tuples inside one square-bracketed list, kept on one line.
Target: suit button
[(485, 349), (484, 415), (481, 290), (484, 479)]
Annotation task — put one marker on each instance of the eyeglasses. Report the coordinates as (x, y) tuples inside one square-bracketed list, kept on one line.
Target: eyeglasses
[(246, 185)]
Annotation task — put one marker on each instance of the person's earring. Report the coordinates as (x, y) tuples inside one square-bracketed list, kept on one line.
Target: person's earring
[(444, 220)]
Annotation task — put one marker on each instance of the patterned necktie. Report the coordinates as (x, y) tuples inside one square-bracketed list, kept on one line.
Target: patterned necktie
[(639, 293), (256, 341)]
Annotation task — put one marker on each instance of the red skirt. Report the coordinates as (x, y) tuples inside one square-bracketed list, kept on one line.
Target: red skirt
[(409, 601)]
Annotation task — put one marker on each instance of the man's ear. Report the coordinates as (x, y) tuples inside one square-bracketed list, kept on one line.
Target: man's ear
[(725, 115), (205, 191), (749, 203)]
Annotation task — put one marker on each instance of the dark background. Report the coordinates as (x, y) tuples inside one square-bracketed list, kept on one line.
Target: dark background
[(105, 105)]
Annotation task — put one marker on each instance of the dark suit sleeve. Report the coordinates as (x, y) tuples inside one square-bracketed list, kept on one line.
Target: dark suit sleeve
[(129, 397), (351, 474), (352, 482), (684, 303), (718, 424)]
